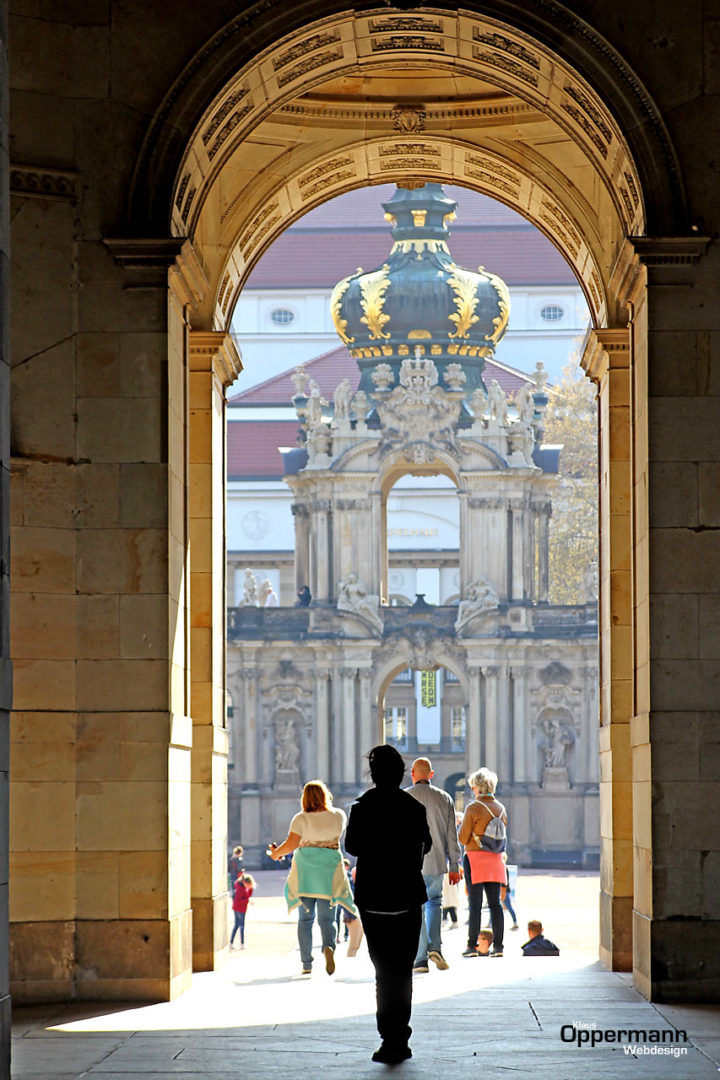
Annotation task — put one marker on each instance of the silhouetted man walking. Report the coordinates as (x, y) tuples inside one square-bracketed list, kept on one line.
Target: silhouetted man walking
[(388, 832)]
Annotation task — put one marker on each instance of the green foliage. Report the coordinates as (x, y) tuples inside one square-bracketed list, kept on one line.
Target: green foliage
[(571, 420)]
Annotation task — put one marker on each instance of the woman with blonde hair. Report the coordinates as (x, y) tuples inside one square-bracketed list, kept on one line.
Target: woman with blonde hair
[(487, 868), (317, 880)]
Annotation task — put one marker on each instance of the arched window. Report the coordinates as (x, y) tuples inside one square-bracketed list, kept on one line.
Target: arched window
[(552, 313), (282, 316)]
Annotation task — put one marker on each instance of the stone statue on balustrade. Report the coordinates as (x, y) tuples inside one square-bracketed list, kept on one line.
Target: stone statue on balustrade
[(341, 401), (480, 597), (250, 592), (497, 403), (354, 597)]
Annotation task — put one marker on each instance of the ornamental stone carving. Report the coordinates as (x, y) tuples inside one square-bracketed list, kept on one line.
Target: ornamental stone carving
[(481, 598), (341, 401), (418, 417), (354, 597)]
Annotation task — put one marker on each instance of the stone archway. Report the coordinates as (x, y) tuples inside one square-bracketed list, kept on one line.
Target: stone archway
[(531, 105), (593, 219)]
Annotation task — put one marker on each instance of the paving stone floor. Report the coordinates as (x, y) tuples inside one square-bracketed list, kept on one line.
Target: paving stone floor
[(258, 1016)]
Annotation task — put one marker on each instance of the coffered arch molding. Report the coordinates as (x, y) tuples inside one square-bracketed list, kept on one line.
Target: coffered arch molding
[(559, 33)]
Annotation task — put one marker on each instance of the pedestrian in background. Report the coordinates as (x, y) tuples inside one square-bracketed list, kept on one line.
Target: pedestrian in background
[(242, 892), (443, 858)]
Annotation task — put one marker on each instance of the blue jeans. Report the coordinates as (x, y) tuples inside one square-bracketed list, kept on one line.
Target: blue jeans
[(430, 940), (239, 925), (306, 918)]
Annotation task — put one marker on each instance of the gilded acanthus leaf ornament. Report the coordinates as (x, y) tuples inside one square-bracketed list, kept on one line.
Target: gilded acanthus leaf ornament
[(501, 320), (373, 288), (464, 286), (340, 323)]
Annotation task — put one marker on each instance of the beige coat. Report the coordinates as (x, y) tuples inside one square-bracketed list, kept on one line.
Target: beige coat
[(477, 816)]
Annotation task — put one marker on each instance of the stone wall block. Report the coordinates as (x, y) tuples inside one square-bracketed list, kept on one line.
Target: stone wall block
[(59, 58), (709, 625), (691, 684), (34, 804), (30, 111), (143, 365), (674, 494), (97, 498), (674, 627), (43, 625), (694, 427), (683, 560), (43, 560), (710, 869), (121, 817), (43, 278), (98, 884), (143, 884), (144, 627), (41, 960), (99, 373), (98, 627), (672, 367), (122, 561), (120, 430), (44, 684), (144, 496), (48, 494), (709, 493), (42, 885), (121, 684)]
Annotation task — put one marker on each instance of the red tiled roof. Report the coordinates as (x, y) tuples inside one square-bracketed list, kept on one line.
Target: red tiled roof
[(332, 367), (330, 242), (318, 261), (363, 210), (252, 447)]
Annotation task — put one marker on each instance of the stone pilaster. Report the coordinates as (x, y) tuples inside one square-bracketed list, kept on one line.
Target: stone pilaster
[(368, 735), (607, 360), (5, 664), (214, 366), (322, 723), (521, 723), (347, 726), (492, 706)]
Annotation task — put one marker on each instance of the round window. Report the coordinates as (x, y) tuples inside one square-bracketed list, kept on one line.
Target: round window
[(552, 312), (282, 316)]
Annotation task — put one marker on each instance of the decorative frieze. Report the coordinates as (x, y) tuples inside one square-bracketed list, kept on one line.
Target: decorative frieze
[(36, 182)]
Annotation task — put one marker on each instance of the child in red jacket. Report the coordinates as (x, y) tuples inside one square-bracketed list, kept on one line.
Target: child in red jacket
[(244, 888)]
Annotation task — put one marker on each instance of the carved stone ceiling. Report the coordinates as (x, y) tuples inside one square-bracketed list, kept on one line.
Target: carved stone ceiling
[(529, 135)]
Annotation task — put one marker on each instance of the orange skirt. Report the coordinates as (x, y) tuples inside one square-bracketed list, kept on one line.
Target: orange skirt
[(486, 866)]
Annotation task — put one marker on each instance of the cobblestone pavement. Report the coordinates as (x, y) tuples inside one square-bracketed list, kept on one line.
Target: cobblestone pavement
[(258, 1016)]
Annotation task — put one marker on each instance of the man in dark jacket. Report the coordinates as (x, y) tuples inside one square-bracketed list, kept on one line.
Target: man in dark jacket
[(388, 832), (538, 945)]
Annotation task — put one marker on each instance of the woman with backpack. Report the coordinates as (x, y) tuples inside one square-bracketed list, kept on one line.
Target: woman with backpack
[(483, 833)]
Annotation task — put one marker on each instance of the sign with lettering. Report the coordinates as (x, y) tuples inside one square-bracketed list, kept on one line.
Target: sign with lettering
[(428, 694), (412, 532)]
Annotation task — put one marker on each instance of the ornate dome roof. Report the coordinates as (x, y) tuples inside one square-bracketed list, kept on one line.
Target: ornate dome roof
[(420, 297)]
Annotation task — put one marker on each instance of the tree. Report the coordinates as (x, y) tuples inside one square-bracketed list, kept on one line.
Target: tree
[(571, 421)]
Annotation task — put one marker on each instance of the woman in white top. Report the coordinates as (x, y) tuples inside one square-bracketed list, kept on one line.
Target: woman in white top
[(317, 878)]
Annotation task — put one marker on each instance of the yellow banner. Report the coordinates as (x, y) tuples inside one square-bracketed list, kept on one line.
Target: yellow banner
[(428, 696)]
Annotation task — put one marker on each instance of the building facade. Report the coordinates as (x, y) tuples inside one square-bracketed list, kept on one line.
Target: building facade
[(454, 651)]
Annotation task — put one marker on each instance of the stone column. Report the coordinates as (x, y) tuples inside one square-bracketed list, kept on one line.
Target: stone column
[(675, 730), (5, 664), (301, 515), (475, 717), (542, 530), (320, 551), (607, 362), (517, 506), (248, 720), (492, 705), (214, 365), (521, 725), (322, 723), (347, 720), (368, 735)]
